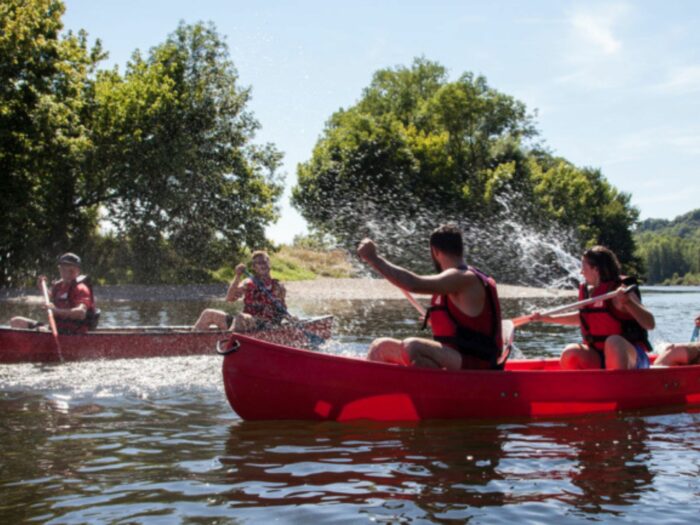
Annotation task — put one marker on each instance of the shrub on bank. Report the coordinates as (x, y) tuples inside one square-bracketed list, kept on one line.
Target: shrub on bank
[(295, 263)]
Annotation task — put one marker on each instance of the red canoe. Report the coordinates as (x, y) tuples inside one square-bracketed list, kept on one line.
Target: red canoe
[(22, 346), (269, 381)]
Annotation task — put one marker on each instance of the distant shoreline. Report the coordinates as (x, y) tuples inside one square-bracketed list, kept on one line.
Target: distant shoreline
[(322, 288)]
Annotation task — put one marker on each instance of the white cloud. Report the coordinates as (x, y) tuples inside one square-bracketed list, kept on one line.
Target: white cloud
[(680, 197), (596, 29), (594, 51), (644, 142), (681, 80)]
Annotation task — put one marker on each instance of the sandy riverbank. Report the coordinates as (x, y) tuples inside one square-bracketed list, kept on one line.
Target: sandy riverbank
[(318, 289)]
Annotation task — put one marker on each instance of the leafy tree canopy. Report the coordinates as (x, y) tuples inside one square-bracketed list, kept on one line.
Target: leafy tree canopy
[(670, 249), (164, 152), (176, 160), (45, 93), (417, 150)]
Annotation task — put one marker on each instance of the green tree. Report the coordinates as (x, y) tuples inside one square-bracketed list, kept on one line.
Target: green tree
[(418, 150), (164, 152), (175, 162), (582, 199), (669, 248), (45, 92), (415, 150)]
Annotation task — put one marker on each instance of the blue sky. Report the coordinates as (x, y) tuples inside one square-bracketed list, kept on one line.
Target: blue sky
[(615, 84)]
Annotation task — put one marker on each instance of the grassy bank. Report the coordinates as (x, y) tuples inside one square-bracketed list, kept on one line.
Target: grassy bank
[(293, 263)]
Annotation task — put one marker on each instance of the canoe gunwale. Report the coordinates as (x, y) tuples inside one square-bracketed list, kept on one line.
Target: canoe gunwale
[(21, 345)]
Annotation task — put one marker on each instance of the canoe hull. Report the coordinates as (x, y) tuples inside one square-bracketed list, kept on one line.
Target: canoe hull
[(33, 346), (267, 381)]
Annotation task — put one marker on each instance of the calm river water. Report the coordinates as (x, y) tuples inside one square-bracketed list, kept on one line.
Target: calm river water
[(155, 441)]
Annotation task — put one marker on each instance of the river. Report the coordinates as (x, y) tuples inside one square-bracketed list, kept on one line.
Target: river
[(155, 441)]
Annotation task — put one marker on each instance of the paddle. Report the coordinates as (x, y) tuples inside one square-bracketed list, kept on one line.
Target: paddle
[(525, 319), (413, 302), (52, 321), (314, 339)]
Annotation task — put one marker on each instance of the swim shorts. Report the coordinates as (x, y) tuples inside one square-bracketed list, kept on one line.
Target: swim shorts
[(642, 356)]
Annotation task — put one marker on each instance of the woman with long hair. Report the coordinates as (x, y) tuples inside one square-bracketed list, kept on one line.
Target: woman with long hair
[(615, 330)]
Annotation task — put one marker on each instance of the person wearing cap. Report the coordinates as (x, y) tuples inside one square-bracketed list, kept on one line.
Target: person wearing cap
[(72, 300)]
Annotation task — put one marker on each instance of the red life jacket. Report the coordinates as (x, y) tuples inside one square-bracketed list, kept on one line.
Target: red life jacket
[(66, 297), (601, 320), (479, 336), (259, 304)]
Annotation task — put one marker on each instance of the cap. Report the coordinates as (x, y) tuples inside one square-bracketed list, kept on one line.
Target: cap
[(69, 258)]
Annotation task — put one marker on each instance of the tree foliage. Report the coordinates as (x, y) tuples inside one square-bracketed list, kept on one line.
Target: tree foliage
[(163, 152), (582, 199), (417, 150), (45, 93), (670, 250), (176, 161)]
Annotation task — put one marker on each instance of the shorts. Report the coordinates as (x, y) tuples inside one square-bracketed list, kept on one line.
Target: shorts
[(469, 362), (642, 356), (266, 324), (260, 324)]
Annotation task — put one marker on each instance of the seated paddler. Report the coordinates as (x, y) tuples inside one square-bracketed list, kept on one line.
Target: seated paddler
[(678, 354), (464, 315), (614, 331), (71, 300), (263, 300)]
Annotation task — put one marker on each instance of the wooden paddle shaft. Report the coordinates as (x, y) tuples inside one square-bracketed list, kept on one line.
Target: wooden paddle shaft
[(525, 319), (52, 321), (413, 302)]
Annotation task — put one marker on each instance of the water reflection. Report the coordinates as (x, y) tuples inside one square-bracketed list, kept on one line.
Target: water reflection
[(606, 460), (155, 440), (436, 467), (429, 470), (183, 455)]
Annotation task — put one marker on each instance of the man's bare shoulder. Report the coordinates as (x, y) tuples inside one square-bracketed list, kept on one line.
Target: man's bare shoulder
[(460, 281), (473, 287), (470, 277)]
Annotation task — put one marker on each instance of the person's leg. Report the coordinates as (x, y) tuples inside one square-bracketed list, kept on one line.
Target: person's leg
[(579, 357), (23, 322), (427, 353), (620, 354), (693, 353), (211, 317), (244, 323), (679, 355), (388, 350)]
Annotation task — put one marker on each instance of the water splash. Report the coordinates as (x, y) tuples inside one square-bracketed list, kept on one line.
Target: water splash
[(154, 378), (516, 249)]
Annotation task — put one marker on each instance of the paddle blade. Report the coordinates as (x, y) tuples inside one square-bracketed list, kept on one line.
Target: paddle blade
[(518, 321), (508, 334), (52, 320)]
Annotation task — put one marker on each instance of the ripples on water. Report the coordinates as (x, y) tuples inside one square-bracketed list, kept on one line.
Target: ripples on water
[(155, 441)]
